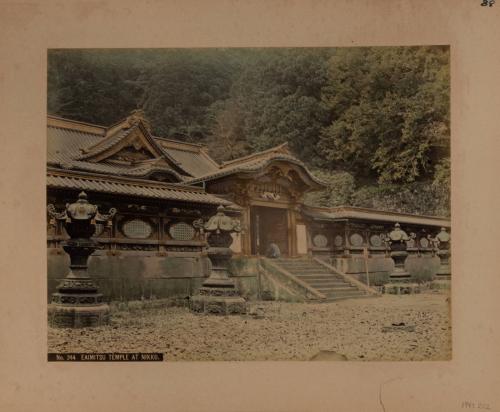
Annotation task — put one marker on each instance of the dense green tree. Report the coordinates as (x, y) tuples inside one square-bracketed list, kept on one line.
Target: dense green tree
[(279, 91), (93, 86), (227, 138), (390, 112), (339, 191), (182, 86), (417, 197)]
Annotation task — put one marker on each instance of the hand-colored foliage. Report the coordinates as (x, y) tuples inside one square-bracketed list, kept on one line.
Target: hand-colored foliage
[(373, 121)]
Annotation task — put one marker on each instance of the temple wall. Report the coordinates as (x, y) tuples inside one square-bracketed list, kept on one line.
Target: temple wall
[(343, 243), (421, 268), (143, 275)]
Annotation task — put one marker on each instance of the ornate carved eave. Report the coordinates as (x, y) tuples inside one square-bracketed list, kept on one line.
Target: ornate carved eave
[(283, 172)]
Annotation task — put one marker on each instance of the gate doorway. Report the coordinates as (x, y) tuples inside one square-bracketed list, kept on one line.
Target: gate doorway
[(268, 225)]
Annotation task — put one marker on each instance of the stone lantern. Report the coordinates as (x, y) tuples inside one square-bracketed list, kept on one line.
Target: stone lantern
[(77, 302), (218, 293), (396, 241), (441, 245)]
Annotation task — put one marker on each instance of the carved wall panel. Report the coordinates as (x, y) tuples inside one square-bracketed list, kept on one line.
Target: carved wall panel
[(99, 230), (181, 231), (424, 242), (136, 229), (376, 240), (338, 241), (320, 240), (356, 239)]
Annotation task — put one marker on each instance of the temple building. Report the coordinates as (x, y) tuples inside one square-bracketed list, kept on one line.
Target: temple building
[(161, 186)]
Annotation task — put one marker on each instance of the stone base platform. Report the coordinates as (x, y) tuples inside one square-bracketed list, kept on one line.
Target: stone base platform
[(401, 288), (400, 275), (443, 275), (441, 283), (72, 316), (218, 301)]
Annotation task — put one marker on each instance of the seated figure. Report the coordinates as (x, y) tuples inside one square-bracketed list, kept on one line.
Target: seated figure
[(273, 251)]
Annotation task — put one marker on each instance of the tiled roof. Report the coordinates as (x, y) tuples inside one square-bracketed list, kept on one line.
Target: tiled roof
[(347, 212), (106, 143), (64, 146), (69, 148), (196, 164), (130, 187), (253, 164)]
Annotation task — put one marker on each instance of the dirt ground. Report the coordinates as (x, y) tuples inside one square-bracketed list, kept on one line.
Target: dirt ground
[(288, 331)]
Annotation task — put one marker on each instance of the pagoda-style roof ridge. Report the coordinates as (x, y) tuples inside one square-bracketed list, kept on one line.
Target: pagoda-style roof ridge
[(181, 144), (125, 179), (255, 165), (282, 149), (353, 212), (140, 170), (108, 142), (146, 170), (197, 149), (70, 180), (76, 125), (66, 119), (67, 138), (347, 208), (113, 143)]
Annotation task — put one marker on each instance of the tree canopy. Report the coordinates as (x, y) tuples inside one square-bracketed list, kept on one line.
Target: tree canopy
[(372, 121)]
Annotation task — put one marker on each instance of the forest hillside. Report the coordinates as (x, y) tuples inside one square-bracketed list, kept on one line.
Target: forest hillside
[(372, 122)]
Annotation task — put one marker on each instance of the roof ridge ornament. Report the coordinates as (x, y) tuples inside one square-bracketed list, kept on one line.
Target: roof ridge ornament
[(138, 116), (282, 149)]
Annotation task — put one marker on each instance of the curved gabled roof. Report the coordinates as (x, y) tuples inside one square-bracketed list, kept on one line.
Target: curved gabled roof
[(79, 146), (64, 148), (257, 163), (88, 147)]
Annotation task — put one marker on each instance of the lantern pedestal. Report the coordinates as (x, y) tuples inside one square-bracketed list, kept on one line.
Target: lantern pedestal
[(74, 316), (219, 294), (444, 271), (442, 244), (77, 303), (399, 273), (399, 278)]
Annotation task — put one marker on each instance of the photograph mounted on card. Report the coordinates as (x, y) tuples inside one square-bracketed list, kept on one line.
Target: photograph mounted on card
[(249, 204)]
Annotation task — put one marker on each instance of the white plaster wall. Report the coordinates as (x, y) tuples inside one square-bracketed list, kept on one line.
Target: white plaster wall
[(301, 240)]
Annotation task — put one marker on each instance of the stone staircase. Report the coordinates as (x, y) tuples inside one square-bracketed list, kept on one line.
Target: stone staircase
[(318, 277)]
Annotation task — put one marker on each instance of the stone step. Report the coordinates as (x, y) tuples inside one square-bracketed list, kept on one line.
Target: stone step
[(306, 270), (344, 294), (322, 284), (342, 289), (309, 270), (326, 278), (332, 285), (315, 273), (327, 287), (301, 264), (320, 277), (296, 262)]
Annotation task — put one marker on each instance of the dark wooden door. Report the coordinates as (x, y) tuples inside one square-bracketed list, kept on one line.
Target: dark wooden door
[(269, 225)]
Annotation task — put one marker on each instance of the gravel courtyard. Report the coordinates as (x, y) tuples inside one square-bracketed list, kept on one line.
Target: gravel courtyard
[(287, 331)]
